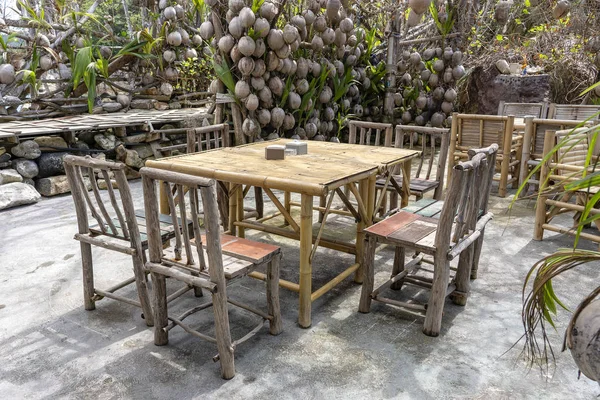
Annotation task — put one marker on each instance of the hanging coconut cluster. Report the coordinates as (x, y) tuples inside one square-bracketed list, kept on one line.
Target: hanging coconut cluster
[(288, 67), (426, 86), (417, 9)]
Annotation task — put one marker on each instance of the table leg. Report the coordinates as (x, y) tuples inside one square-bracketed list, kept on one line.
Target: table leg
[(240, 211), (232, 208), (406, 171), (287, 198), (164, 203), (306, 216)]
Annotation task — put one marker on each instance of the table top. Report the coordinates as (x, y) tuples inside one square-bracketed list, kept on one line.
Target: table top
[(326, 167)]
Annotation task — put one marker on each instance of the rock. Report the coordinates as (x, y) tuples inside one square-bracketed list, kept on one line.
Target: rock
[(102, 184), (174, 105), (106, 142), (159, 105), (29, 181), (4, 157), (503, 67), (142, 104), (51, 164), (131, 173), (2, 150), (124, 99), (54, 185), (50, 141), (9, 176), (82, 146), (144, 151), (27, 168), (134, 139), (87, 137), (17, 194), (111, 107), (27, 149), (120, 131), (129, 157)]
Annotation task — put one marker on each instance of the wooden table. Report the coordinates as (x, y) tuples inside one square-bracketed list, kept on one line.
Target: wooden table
[(326, 170)]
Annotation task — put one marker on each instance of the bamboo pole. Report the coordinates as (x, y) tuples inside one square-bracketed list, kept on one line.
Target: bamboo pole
[(306, 215)]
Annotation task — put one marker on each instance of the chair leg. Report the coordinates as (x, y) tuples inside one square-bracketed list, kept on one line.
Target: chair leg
[(161, 320), (476, 254), (393, 200), (223, 335), (384, 202), (275, 325), (462, 279), (437, 297), (399, 255), (260, 204), (223, 204), (368, 274), (141, 284), (88, 276)]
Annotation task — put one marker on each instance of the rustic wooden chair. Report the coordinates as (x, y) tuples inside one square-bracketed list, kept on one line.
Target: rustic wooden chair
[(574, 112), (213, 137), (117, 227), (565, 165), (450, 236), (210, 261), (533, 142), (476, 131), (433, 144), (521, 110)]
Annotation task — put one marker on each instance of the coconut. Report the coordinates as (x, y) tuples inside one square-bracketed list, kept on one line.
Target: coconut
[(439, 52), (242, 89), (425, 74), (276, 85), (428, 54), (421, 102), (415, 58), (317, 43), (438, 94), (247, 17), (325, 95), (402, 66), (263, 116), (174, 38), (288, 122), (185, 37), (46, 62), (310, 129), (457, 57), (346, 25), (226, 43), (179, 11), (268, 10), (257, 83), (80, 42), (265, 94), (166, 89), (246, 46), (235, 27), (169, 56), (294, 100), (448, 77), (419, 6), (162, 4), (339, 67), (299, 22), (197, 40), (420, 120), (251, 102), (438, 66), (275, 39), (328, 36), (146, 79), (331, 70), (414, 19), (284, 51), (561, 9), (458, 72), (171, 74), (105, 52), (64, 72), (584, 342), (302, 86), (437, 120), (339, 38), (259, 68), (320, 23), (328, 114), (448, 53), (170, 13), (450, 95), (235, 54), (246, 65), (406, 117), (250, 127), (277, 116), (206, 30), (316, 68), (236, 5), (447, 107), (261, 27), (214, 86), (302, 69), (290, 33), (351, 60), (406, 79), (351, 41)]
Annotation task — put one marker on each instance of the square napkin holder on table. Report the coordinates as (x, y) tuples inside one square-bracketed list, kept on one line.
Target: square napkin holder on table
[(300, 147), (275, 152)]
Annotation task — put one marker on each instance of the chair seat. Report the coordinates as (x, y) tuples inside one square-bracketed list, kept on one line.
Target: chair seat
[(417, 185), (232, 266), (407, 229)]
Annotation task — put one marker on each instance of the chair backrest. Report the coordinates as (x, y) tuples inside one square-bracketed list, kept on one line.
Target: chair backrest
[(114, 212), (207, 138), (520, 110), (539, 129), (574, 146), (490, 153), (433, 144), (199, 191), (370, 133), (476, 131), (574, 112), (461, 207)]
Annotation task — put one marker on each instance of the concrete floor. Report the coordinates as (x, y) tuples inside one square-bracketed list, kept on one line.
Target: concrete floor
[(50, 347)]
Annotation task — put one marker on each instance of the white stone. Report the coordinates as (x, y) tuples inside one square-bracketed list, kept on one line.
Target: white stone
[(17, 194)]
